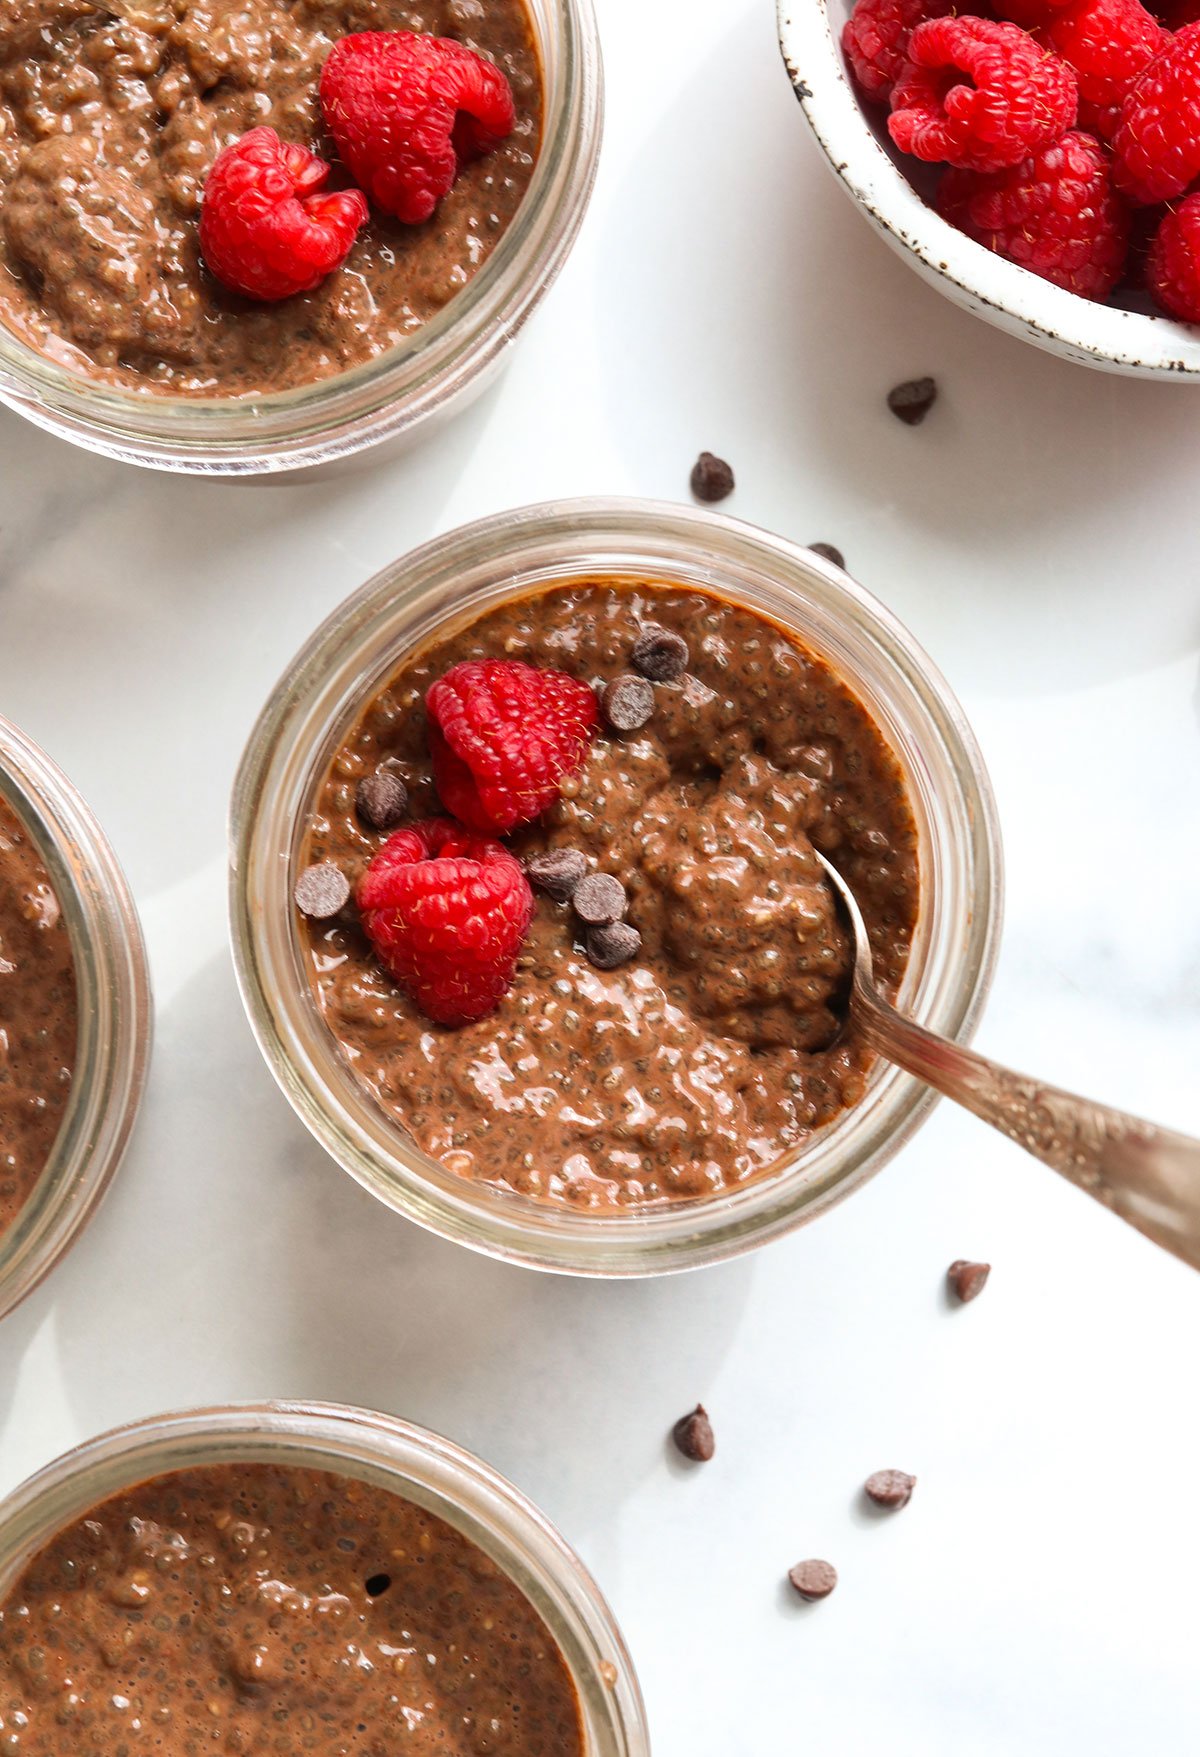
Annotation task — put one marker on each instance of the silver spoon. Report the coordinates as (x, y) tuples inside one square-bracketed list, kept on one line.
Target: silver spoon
[(1147, 1175)]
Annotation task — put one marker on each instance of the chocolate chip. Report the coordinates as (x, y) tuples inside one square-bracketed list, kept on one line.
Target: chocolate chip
[(693, 1436), (829, 552), (813, 1579), (322, 891), (557, 872), (381, 800), (890, 1488), (627, 703), (712, 478), (659, 654), (599, 899), (911, 401), (610, 947), (967, 1280)]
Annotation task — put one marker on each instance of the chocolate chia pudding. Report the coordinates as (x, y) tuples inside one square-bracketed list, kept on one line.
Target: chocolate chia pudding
[(718, 1042), (111, 116), (38, 1023), (256, 1609)]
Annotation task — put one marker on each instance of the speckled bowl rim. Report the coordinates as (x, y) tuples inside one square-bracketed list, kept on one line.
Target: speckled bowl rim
[(1021, 303)]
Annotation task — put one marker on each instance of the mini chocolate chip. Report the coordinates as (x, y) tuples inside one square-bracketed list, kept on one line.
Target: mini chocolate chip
[(712, 478), (830, 552), (610, 947), (911, 401), (890, 1488), (599, 899), (381, 800), (659, 654), (813, 1579), (322, 891), (627, 703), (967, 1280), (557, 872), (693, 1436)]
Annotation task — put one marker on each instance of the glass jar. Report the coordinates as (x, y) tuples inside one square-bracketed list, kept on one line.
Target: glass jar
[(392, 1455), (384, 398), (451, 582), (113, 995)]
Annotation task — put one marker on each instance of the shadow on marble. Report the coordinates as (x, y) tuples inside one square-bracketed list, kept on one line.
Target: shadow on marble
[(954, 523), (137, 607), (17, 1333), (287, 1280)]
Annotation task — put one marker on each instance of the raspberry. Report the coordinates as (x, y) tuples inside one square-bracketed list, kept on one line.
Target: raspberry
[(447, 913), (979, 94), (875, 40), (1056, 214), (1157, 141), (503, 736), (1173, 269), (1108, 43), (405, 110), (265, 231), (1029, 14)]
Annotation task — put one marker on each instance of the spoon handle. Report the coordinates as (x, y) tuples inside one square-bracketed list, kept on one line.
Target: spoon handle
[(1147, 1175)]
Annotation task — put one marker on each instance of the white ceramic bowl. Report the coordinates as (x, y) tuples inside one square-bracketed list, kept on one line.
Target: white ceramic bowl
[(853, 137)]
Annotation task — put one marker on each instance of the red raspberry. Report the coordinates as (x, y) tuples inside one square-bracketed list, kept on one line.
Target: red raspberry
[(264, 230), (503, 736), (447, 913), (875, 40), (1029, 14), (1157, 141), (405, 110), (1056, 214), (1173, 269), (979, 94), (1108, 43)]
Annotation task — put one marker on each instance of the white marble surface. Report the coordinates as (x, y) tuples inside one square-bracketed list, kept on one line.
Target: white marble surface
[(1038, 535)]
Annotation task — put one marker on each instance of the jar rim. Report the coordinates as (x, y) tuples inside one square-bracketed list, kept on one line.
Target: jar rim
[(452, 579), (115, 1014), (383, 398), (407, 1460)]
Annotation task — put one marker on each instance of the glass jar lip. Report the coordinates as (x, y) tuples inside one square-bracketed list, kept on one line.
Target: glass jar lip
[(409, 1460), (115, 1014), (383, 398), (511, 554)]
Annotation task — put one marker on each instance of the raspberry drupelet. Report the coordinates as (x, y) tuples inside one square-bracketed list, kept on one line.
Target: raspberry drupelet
[(1056, 214), (980, 95), (447, 913), (503, 736), (268, 229), (1156, 145), (876, 36), (1107, 43), (1173, 268), (406, 110)]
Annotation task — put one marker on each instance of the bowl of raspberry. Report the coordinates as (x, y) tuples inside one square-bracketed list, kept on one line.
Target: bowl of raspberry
[(526, 898), (275, 240), (1037, 161)]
